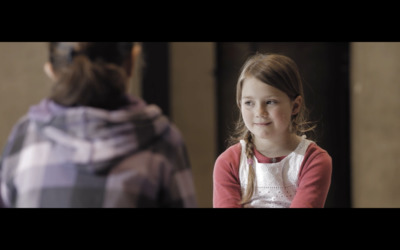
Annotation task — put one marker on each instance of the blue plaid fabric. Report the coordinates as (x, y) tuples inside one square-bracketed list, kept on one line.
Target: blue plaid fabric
[(83, 157)]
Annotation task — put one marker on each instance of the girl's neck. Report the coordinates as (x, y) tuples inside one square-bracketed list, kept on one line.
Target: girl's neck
[(277, 148)]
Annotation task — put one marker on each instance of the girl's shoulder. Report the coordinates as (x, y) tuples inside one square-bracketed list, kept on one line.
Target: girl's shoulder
[(314, 150), (318, 158), (232, 151), (226, 168), (230, 157)]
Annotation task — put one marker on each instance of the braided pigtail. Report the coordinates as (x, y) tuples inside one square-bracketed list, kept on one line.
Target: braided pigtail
[(246, 197)]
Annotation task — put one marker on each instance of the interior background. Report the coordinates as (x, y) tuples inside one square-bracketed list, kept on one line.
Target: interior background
[(352, 89)]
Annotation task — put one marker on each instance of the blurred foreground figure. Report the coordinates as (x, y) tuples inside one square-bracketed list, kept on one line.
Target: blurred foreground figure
[(90, 144)]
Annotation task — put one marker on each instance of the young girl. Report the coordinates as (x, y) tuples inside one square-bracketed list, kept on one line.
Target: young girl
[(90, 144), (271, 163)]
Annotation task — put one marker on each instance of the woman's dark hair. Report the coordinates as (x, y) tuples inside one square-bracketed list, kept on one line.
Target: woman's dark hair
[(90, 73)]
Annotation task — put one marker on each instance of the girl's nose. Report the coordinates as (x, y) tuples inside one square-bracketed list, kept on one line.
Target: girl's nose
[(261, 112)]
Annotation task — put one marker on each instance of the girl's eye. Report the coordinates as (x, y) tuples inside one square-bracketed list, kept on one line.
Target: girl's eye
[(248, 103), (271, 102)]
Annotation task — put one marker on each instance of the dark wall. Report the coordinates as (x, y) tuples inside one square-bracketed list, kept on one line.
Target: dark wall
[(155, 79), (325, 70)]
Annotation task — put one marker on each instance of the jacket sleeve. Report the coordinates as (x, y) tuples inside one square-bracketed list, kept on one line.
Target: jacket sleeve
[(184, 180), (178, 184), (314, 181), (1, 180), (1, 200), (15, 142)]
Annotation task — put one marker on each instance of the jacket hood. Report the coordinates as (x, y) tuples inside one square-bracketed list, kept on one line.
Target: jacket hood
[(97, 137)]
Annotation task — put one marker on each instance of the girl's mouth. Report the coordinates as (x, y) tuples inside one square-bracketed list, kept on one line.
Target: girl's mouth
[(262, 123)]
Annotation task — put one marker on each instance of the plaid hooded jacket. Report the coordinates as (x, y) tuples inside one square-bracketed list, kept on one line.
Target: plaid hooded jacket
[(87, 157)]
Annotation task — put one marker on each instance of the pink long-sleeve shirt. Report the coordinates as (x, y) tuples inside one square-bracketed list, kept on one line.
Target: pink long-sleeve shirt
[(313, 181)]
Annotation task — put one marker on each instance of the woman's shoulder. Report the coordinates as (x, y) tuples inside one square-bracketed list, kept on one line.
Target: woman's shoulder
[(20, 127)]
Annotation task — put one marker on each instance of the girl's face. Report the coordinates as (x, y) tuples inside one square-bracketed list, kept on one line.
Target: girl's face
[(266, 110)]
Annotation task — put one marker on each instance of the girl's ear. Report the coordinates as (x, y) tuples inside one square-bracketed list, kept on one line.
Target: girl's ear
[(48, 69), (296, 105)]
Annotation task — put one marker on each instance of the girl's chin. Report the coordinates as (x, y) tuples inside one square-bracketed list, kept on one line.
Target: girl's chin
[(261, 135)]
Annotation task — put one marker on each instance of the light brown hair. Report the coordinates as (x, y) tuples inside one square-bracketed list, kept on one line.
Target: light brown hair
[(280, 72), (90, 73)]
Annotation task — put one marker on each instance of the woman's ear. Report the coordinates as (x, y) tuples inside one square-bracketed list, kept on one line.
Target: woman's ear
[(137, 48), (48, 69), (296, 105), (130, 64)]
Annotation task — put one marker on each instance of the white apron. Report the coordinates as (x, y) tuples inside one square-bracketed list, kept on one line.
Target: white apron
[(276, 183)]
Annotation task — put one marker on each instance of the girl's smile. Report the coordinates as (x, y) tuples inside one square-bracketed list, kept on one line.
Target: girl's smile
[(267, 113), (266, 110), (262, 123)]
